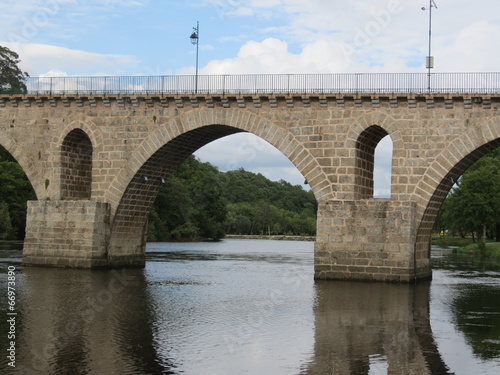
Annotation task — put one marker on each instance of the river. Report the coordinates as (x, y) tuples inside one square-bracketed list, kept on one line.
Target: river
[(249, 307)]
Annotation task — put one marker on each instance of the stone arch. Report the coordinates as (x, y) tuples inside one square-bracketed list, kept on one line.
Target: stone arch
[(442, 174), (362, 139), (76, 166), (32, 173), (138, 184), (94, 136)]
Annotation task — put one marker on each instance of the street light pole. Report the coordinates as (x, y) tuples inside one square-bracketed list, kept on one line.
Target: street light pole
[(195, 38), (429, 61)]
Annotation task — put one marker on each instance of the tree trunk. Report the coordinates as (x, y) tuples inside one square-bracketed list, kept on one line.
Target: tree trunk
[(497, 239)]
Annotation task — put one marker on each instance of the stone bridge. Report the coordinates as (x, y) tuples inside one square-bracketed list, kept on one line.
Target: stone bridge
[(96, 163)]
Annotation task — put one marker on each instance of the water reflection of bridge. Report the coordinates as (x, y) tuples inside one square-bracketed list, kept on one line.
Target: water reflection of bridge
[(108, 325), (360, 326)]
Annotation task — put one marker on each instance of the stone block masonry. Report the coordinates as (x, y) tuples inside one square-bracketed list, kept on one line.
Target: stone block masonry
[(97, 162), (370, 240), (67, 234)]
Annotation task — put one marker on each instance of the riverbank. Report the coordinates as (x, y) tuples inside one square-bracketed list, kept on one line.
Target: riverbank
[(492, 250), (278, 237)]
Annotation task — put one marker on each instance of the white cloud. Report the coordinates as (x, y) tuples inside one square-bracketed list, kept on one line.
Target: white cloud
[(39, 59), (474, 49), (244, 150), (272, 56)]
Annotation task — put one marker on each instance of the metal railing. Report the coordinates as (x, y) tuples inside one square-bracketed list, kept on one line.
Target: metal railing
[(348, 83)]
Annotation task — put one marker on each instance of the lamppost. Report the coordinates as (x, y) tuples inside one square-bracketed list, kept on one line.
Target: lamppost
[(429, 61), (195, 37)]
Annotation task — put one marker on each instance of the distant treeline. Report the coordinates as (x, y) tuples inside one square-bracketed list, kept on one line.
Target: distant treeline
[(197, 202)]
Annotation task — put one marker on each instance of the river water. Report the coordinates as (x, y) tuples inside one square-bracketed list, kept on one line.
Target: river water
[(249, 307)]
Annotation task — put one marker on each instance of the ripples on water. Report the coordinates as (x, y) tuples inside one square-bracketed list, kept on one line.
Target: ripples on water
[(251, 307)]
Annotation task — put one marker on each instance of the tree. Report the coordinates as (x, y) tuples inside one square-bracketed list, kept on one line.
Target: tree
[(200, 202), (190, 206), (15, 191), (12, 79), (6, 230), (474, 206)]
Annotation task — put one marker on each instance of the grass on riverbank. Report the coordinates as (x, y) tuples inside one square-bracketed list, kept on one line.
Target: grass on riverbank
[(445, 241), (488, 250), (466, 246)]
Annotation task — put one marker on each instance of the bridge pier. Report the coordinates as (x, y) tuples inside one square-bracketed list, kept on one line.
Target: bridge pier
[(67, 234), (367, 240), (77, 234)]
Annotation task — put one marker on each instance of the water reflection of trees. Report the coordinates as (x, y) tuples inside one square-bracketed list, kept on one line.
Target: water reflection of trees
[(477, 314)]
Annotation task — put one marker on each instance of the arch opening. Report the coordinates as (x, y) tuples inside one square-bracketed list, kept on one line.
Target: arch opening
[(76, 165), (370, 164), (130, 220), (426, 225), (15, 191)]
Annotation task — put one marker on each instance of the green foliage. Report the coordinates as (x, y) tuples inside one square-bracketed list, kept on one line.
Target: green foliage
[(198, 201), (12, 79), (260, 206), (190, 206), (474, 206), (6, 229), (15, 191)]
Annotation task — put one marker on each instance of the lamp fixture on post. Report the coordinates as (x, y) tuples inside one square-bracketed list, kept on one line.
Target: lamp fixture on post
[(195, 38), (429, 61)]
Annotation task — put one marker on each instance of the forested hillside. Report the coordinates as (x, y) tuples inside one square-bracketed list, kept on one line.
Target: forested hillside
[(198, 201)]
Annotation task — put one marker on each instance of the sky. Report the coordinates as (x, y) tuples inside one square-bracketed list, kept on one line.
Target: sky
[(151, 37)]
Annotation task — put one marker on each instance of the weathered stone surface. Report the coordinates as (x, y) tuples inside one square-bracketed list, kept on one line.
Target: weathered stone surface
[(67, 234), (98, 148)]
